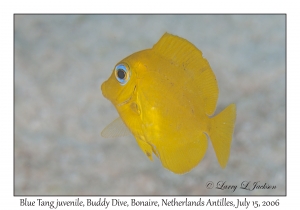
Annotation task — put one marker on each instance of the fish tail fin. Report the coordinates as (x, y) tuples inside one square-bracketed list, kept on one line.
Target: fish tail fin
[(220, 133)]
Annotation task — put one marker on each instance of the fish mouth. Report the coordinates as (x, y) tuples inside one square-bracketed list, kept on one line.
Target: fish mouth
[(102, 87)]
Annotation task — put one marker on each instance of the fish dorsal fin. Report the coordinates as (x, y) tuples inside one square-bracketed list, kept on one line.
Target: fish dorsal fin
[(115, 129), (177, 49), (184, 54)]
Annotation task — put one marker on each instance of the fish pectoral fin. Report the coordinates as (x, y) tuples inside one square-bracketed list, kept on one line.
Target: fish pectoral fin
[(115, 129), (220, 133), (146, 148)]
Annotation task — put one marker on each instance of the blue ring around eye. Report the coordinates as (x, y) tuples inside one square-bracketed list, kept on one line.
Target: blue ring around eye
[(122, 73)]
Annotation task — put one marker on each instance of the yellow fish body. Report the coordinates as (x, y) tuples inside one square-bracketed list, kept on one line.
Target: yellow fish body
[(165, 97)]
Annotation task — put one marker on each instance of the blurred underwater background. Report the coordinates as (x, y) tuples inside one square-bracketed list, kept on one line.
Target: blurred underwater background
[(60, 63)]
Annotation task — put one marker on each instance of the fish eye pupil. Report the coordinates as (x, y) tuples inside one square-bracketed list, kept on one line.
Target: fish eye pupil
[(121, 73)]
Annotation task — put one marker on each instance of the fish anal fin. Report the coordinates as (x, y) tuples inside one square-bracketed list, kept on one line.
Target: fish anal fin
[(115, 129), (220, 133), (181, 158)]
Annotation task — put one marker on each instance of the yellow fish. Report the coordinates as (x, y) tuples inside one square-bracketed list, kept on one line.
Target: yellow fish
[(166, 97)]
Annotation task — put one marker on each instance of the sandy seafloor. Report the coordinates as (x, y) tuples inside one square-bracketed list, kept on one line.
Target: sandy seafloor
[(60, 63)]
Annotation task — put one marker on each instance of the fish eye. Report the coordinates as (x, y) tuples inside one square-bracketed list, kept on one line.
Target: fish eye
[(122, 73)]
